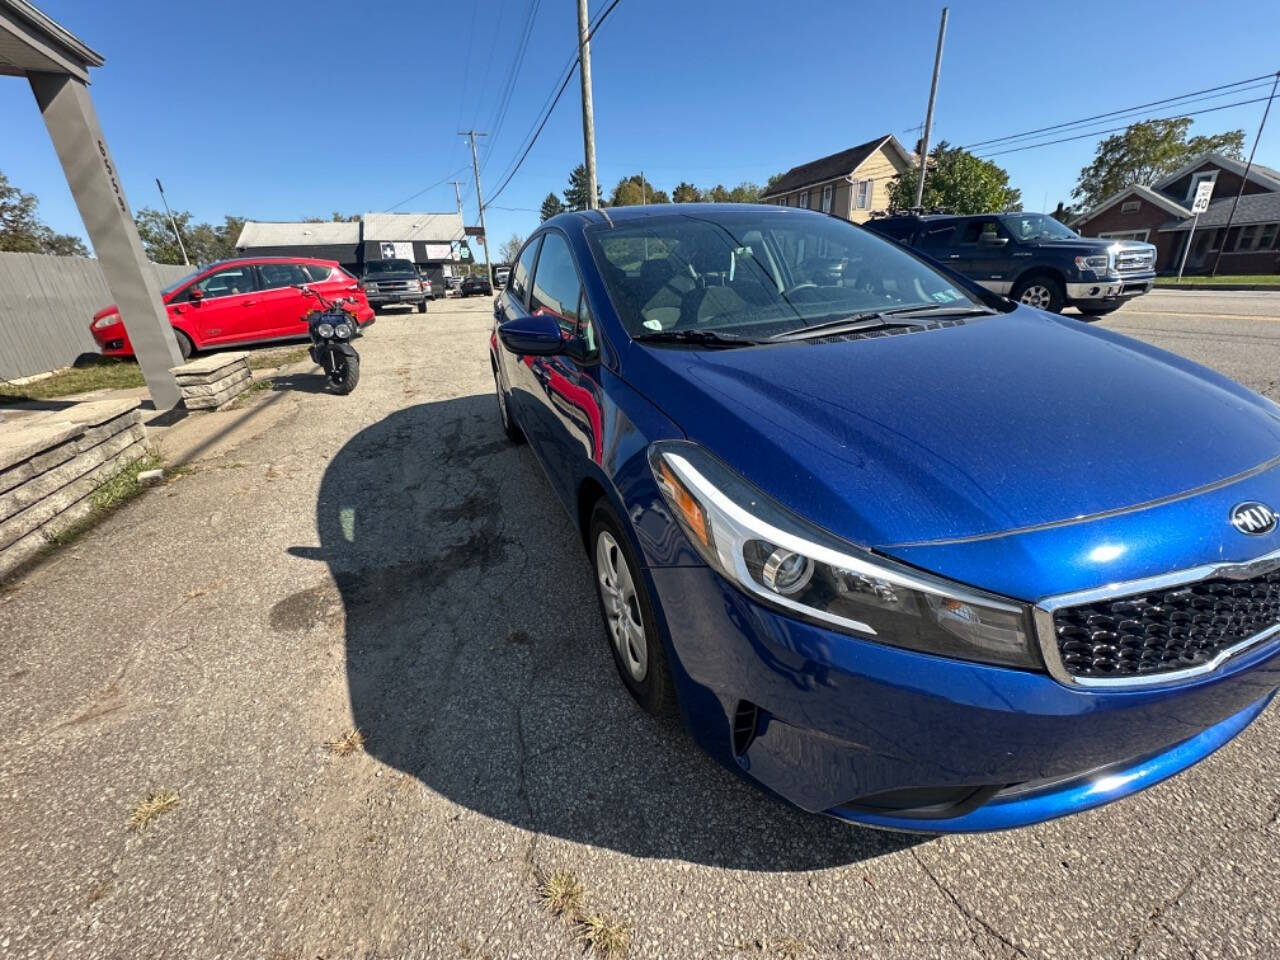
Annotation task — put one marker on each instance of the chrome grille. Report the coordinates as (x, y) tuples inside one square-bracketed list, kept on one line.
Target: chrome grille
[(1165, 630), (1130, 261)]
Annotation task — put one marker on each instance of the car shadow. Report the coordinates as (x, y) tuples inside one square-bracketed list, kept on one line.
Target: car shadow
[(477, 662)]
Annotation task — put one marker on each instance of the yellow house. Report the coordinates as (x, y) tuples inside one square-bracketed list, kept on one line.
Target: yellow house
[(850, 184)]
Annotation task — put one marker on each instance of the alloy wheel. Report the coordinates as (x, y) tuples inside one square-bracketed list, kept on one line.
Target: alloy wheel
[(1037, 295), (621, 606)]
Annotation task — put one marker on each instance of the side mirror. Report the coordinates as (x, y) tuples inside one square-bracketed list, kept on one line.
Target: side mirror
[(991, 240), (537, 335), (196, 294)]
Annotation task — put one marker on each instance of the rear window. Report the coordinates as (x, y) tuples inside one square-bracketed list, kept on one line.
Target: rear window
[(317, 272)]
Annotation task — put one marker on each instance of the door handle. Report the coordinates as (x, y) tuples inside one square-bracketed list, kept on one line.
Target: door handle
[(954, 256), (249, 303)]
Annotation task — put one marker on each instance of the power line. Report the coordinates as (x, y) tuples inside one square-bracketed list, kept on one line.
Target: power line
[(569, 75), (509, 86), (1098, 133), (445, 179), (1112, 113)]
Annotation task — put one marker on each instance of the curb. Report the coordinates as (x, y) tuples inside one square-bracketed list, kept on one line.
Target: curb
[(1216, 286)]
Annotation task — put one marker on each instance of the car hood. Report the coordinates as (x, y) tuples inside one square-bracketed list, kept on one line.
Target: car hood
[(998, 424)]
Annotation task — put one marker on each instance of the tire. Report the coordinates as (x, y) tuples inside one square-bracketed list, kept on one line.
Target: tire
[(1098, 311), (185, 346), (509, 425), (343, 381), (422, 306), (624, 597), (1041, 291)]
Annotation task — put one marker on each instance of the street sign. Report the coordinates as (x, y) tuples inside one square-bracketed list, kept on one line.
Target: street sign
[(1204, 190)]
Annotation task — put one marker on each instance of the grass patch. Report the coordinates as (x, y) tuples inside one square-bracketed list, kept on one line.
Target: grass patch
[(119, 488), (105, 373), (606, 937), (157, 803), (1236, 279), (265, 359), (562, 895), (347, 744)]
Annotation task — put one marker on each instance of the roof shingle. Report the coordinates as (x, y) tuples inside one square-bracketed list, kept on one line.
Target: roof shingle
[(827, 168)]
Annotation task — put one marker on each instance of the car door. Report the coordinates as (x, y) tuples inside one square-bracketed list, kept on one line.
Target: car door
[(982, 253), (222, 306), (569, 399), (516, 369), (284, 305)]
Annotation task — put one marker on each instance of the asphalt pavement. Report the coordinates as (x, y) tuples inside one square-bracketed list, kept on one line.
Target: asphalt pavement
[(388, 562)]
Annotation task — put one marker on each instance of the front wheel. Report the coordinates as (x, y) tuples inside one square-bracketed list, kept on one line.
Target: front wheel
[(345, 372), (422, 306), (1041, 291), (629, 618)]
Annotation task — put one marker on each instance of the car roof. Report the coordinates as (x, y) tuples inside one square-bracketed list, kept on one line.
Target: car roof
[(230, 261)]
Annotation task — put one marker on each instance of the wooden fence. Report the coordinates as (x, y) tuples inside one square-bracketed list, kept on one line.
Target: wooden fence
[(46, 305)]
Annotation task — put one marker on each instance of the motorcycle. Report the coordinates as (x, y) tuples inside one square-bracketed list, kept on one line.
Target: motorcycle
[(331, 327)]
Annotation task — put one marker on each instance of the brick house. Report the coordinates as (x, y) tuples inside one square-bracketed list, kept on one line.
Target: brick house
[(1161, 214), (850, 184)]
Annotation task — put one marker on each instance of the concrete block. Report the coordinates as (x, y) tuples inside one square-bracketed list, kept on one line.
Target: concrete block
[(46, 509), (38, 434), (49, 482), (49, 459), (214, 400), (210, 367), (215, 386)]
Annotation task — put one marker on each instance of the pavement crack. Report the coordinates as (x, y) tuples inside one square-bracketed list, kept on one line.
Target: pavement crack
[(964, 911)]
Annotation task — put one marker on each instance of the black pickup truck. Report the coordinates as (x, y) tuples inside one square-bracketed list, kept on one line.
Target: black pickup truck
[(1030, 257)]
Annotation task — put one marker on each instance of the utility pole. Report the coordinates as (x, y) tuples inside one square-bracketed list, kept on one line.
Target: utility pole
[(173, 223), (642, 194), (457, 194), (1226, 231), (928, 117), (588, 113), (475, 166)]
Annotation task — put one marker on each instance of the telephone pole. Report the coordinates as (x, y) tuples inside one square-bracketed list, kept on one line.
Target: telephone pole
[(475, 166), (457, 194), (928, 117), (172, 222), (588, 114)]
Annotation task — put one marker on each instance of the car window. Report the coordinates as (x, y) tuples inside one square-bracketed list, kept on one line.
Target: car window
[(275, 275), (556, 288), (975, 230), (316, 272), (228, 282), (388, 266), (936, 236), (519, 285), (586, 326), (756, 274)]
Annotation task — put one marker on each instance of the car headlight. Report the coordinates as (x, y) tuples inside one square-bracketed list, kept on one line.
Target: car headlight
[(109, 320), (1098, 263), (369, 287), (342, 331), (324, 329), (787, 562)]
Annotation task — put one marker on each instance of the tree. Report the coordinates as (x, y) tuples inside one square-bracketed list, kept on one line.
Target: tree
[(1144, 153), (575, 197), (510, 249), (550, 207), (21, 230), (686, 192), (204, 242), (634, 190), (958, 182)]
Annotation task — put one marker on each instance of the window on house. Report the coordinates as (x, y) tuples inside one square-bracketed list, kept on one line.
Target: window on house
[(1195, 182), (1246, 237), (1267, 236), (804, 200), (1130, 206), (865, 189), (827, 192)]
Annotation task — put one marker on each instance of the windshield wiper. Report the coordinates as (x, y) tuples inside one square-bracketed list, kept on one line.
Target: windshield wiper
[(917, 316), (701, 338)]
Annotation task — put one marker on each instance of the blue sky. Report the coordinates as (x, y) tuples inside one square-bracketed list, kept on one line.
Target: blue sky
[(277, 110)]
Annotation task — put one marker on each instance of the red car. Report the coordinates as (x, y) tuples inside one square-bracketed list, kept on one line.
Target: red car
[(250, 300)]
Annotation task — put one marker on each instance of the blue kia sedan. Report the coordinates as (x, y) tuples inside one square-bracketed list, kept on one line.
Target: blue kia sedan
[(896, 548)]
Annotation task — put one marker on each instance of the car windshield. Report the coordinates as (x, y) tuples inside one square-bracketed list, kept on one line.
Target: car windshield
[(388, 266), (1037, 226), (748, 274)]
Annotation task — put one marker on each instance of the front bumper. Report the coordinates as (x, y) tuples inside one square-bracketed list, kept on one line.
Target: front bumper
[(897, 739), (1110, 290)]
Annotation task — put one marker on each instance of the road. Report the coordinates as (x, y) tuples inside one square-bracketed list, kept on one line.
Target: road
[(388, 561)]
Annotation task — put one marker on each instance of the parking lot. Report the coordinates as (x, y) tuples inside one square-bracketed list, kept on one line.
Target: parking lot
[(388, 562)]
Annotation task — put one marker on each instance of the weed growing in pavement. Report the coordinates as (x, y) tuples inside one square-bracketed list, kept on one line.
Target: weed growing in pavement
[(609, 938), (119, 488), (157, 802), (347, 744), (562, 895)]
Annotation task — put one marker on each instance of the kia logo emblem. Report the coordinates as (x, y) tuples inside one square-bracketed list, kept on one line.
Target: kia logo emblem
[(1253, 518)]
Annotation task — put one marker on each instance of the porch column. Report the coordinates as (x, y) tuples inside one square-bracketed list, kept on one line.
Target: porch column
[(95, 185)]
